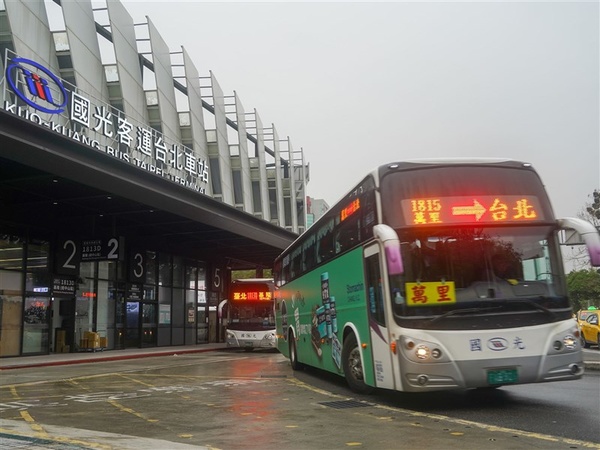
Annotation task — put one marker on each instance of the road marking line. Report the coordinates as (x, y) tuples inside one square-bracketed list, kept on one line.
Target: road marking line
[(493, 428), (131, 411), (14, 393), (32, 424)]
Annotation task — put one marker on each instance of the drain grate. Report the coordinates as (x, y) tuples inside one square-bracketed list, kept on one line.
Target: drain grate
[(343, 404)]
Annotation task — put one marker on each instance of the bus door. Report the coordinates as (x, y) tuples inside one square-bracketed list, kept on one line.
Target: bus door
[(378, 326)]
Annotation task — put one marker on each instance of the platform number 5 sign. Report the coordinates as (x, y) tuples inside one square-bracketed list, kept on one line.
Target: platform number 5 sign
[(217, 279)]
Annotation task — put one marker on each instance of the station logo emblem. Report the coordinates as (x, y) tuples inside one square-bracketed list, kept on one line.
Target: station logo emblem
[(36, 85)]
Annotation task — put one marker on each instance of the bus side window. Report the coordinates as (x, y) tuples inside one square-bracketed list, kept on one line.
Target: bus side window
[(296, 263), (325, 247), (368, 215), (285, 273), (339, 242), (325, 244), (309, 254), (347, 236)]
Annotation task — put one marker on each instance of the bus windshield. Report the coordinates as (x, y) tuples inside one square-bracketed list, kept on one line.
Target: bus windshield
[(251, 316), (456, 274)]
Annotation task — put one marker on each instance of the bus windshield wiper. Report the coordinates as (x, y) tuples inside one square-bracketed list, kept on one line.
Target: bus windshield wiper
[(535, 305), (464, 311)]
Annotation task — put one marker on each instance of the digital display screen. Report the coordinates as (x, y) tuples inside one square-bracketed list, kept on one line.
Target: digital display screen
[(350, 209), (253, 296), (484, 209)]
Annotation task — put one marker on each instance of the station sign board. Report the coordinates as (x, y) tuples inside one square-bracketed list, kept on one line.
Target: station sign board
[(70, 253), (33, 92), (63, 286)]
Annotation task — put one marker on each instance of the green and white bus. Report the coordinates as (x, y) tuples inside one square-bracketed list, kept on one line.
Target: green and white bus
[(432, 275)]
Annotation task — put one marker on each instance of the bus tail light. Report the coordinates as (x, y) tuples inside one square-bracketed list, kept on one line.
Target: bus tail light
[(393, 347)]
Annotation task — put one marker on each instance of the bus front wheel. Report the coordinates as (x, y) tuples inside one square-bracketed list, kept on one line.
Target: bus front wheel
[(353, 369), (294, 353)]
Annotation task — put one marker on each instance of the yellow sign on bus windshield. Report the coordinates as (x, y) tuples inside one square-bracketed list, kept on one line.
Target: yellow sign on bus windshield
[(430, 293)]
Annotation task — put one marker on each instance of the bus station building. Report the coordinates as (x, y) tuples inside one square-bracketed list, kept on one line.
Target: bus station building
[(130, 184)]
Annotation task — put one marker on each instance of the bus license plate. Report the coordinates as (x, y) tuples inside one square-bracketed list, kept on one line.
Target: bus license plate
[(504, 376)]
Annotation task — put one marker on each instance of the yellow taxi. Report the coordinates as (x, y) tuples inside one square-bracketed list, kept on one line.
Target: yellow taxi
[(589, 326)]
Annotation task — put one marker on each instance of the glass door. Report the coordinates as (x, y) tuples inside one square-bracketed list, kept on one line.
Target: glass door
[(132, 324), (35, 325), (149, 324)]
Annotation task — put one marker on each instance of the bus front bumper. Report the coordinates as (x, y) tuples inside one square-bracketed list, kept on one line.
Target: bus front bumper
[(489, 373), (267, 341)]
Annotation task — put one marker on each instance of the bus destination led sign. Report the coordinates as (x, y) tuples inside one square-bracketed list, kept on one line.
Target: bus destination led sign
[(252, 296), (485, 209), (350, 209)]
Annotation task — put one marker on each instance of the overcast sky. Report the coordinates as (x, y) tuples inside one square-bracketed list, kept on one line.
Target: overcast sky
[(357, 85)]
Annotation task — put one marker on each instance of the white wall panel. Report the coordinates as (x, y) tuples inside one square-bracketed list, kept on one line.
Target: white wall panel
[(128, 63), (244, 161), (31, 33), (196, 112), (164, 84), (262, 167), (85, 51), (222, 141), (278, 178)]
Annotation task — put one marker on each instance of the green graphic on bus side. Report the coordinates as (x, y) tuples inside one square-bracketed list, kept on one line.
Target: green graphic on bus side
[(320, 306)]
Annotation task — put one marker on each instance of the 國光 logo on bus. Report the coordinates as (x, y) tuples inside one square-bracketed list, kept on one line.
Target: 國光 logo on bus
[(36, 85), (430, 293), (497, 344)]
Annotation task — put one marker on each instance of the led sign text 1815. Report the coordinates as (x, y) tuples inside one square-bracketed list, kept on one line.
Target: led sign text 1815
[(482, 209)]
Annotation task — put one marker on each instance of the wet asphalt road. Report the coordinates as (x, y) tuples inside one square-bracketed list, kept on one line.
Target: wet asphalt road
[(236, 400)]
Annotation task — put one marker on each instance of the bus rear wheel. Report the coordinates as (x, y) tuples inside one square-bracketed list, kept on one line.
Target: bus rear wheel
[(353, 369), (294, 353)]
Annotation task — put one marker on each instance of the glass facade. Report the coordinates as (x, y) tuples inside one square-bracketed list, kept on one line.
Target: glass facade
[(52, 297), (100, 309)]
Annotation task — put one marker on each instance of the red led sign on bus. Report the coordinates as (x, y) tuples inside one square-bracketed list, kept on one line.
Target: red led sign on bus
[(253, 296), (350, 209), (485, 209)]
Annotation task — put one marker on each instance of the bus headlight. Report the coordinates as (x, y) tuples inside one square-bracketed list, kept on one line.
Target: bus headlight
[(230, 335), (566, 341), (569, 342), (270, 336), (421, 351)]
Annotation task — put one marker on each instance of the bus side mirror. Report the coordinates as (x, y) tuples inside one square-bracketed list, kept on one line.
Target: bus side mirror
[(588, 234), (391, 245)]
